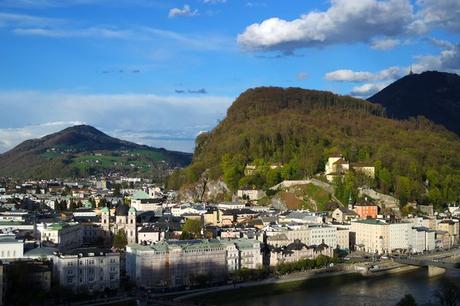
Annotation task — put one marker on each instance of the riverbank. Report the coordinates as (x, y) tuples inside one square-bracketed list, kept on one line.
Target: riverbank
[(285, 284)]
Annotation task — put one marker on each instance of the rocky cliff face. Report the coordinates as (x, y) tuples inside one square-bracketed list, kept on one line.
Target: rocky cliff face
[(205, 191)]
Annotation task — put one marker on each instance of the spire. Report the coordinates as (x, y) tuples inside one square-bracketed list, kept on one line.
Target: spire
[(350, 201), (411, 72)]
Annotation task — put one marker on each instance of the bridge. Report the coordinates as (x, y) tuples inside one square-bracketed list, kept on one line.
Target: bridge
[(437, 263)]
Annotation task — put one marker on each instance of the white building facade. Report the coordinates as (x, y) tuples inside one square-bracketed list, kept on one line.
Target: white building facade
[(92, 271)]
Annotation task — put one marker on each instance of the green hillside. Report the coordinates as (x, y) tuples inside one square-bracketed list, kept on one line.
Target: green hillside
[(299, 129), (81, 151)]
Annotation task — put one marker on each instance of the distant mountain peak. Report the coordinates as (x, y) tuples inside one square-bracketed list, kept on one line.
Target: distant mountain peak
[(58, 154), (432, 94)]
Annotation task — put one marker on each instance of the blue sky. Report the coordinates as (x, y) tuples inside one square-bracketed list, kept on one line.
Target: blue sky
[(159, 72)]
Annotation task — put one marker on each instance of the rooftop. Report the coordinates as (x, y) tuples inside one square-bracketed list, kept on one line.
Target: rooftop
[(371, 221), (140, 195)]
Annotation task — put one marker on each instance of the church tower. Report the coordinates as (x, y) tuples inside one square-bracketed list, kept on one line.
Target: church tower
[(131, 228), (105, 219)]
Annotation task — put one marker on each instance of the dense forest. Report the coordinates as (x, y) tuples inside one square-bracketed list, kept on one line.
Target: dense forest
[(299, 129)]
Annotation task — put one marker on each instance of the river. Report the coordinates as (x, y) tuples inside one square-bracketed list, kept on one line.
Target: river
[(386, 290)]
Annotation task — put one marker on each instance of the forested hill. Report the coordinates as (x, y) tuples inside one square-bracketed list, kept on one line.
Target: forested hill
[(299, 129), (83, 150), (435, 95)]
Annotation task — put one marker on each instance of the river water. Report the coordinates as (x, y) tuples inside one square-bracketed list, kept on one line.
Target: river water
[(385, 290)]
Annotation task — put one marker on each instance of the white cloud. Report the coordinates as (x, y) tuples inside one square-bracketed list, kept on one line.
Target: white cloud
[(384, 43), (447, 60), (199, 42), (256, 4), (185, 11), (15, 20), (182, 117), (37, 27), (437, 14), (214, 1), (12, 136), (344, 21), (85, 32), (347, 75), (367, 90), (444, 44), (38, 4)]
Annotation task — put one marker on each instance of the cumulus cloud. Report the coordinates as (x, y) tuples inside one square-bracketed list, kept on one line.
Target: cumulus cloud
[(437, 14), (184, 11), (110, 112), (384, 43), (353, 21), (344, 21), (447, 60), (367, 90), (347, 75)]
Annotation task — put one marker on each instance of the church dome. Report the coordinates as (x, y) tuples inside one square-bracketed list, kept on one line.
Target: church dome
[(122, 210)]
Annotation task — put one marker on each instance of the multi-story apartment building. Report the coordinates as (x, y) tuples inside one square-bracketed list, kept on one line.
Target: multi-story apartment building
[(150, 234), (452, 228), (248, 253), (11, 248), (343, 238), (399, 236), (92, 270), (311, 234), (174, 263), (297, 251), (377, 236), (366, 210), (322, 234), (370, 235), (64, 235), (422, 239), (142, 201)]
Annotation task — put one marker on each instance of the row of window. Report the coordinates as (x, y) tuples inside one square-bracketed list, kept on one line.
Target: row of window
[(8, 254)]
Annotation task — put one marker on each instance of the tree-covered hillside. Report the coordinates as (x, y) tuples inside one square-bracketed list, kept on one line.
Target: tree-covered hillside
[(81, 151), (299, 129)]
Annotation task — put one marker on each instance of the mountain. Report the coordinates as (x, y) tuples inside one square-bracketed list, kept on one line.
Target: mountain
[(435, 95), (289, 133), (83, 150)]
